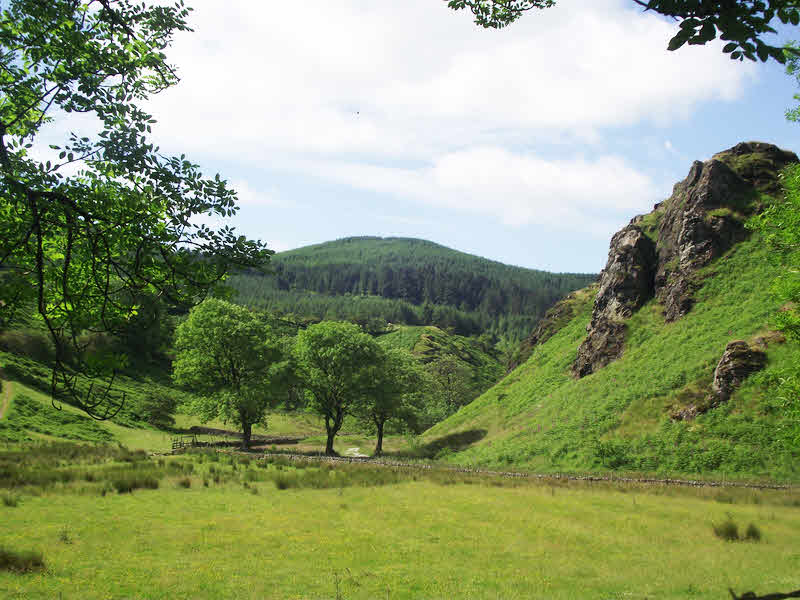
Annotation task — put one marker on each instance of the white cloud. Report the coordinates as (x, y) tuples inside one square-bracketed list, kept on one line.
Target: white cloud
[(248, 196), (414, 79), (592, 195), (357, 90)]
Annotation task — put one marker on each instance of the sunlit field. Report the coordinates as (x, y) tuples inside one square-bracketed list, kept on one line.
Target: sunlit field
[(109, 523)]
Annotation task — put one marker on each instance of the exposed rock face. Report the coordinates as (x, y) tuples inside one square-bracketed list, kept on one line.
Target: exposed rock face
[(553, 320), (625, 284), (738, 361), (691, 235), (700, 221), (604, 344), (757, 163)]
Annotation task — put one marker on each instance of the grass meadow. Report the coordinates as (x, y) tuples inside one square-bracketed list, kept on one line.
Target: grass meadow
[(219, 525)]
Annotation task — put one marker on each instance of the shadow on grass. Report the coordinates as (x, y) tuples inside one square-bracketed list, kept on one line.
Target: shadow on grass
[(455, 442)]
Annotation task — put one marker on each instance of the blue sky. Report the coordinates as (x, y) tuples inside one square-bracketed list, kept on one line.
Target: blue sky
[(531, 145)]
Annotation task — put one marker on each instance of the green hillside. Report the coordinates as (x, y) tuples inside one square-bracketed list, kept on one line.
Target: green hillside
[(431, 343), (543, 417), (540, 417), (407, 281)]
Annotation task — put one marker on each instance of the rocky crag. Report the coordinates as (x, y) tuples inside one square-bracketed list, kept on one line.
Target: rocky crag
[(659, 255)]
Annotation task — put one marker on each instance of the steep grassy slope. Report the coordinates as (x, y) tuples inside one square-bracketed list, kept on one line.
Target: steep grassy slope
[(408, 281), (431, 343), (540, 417)]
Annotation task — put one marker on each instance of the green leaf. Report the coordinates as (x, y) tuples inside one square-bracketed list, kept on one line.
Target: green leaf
[(676, 42), (707, 33), (730, 47)]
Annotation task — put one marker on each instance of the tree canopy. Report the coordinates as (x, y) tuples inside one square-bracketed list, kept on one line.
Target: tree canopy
[(108, 218), (397, 392), (742, 23), (233, 360), (338, 364)]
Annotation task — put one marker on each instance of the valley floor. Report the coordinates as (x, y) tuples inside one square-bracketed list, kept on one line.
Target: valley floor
[(231, 527)]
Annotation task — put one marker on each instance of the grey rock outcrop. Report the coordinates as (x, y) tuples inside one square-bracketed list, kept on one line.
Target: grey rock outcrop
[(701, 220), (693, 232), (625, 284), (738, 362)]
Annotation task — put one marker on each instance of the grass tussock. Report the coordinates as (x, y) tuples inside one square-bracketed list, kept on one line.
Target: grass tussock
[(20, 561), (126, 485), (10, 500), (728, 530)]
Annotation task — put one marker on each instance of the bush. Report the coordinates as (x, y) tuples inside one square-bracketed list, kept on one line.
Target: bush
[(36, 345), (10, 500), (185, 482), (727, 530), (20, 562), (125, 485), (753, 533), (158, 409)]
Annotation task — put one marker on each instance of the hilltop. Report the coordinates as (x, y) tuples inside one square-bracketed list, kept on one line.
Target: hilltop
[(406, 281), (666, 363)]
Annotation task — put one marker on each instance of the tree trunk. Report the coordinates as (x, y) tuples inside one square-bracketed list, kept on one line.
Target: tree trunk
[(247, 431), (379, 445), (333, 423), (329, 451)]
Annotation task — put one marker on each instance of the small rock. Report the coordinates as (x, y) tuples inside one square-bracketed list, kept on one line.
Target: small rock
[(738, 361)]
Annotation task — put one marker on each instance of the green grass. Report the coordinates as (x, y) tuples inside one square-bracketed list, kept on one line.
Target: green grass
[(381, 533), (429, 343), (31, 416), (539, 417)]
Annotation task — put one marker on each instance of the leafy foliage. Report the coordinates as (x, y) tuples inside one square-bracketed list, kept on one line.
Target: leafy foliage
[(742, 24), (86, 247), (397, 392), (231, 358), (338, 365), (780, 224)]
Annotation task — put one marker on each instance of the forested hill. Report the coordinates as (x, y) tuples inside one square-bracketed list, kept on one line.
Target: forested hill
[(406, 280)]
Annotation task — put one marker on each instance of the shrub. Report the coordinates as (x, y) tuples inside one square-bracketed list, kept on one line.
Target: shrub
[(20, 562), (185, 482), (125, 485), (727, 530), (33, 344), (10, 500), (753, 533)]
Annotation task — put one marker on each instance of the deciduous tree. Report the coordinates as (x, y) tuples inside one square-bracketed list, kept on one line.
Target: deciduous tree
[(398, 391), (742, 23), (233, 361), (338, 364), (108, 217)]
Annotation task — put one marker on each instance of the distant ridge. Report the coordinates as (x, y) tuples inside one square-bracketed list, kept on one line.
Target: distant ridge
[(410, 281)]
